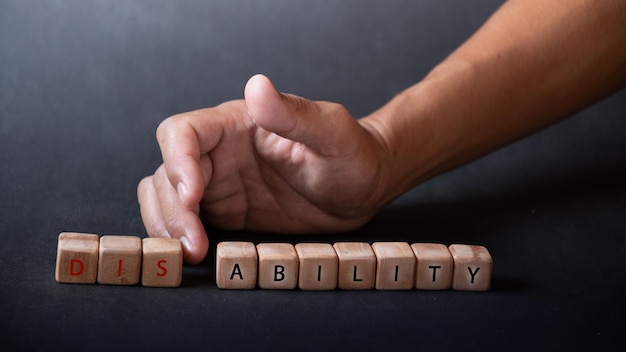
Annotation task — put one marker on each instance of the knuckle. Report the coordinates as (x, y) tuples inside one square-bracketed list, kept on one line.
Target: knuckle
[(163, 128), (143, 187), (171, 224)]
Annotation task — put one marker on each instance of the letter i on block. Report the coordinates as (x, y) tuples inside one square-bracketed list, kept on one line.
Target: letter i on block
[(318, 266), (395, 269), (120, 260), (236, 265), (77, 258), (162, 263), (278, 266), (472, 267), (434, 266), (357, 266)]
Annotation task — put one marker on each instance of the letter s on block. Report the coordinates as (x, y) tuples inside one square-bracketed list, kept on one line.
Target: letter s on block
[(163, 271)]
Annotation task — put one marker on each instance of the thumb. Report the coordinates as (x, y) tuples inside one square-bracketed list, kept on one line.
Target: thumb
[(293, 117)]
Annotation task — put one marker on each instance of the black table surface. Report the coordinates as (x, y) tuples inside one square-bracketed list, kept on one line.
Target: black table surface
[(84, 84)]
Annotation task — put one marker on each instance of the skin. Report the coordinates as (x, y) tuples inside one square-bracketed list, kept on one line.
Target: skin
[(281, 163)]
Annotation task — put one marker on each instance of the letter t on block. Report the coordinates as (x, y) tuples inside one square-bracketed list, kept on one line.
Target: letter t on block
[(472, 267), (236, 265), (162, 263), (434, 266), (77, 258)]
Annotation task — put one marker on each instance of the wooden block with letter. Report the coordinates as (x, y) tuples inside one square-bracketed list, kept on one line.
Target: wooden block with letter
[(120, 260), (434, 266), (395, 265), (278, 266), (473, 266), (162, 262), (236, 265), (357, 265), (318, 266), (77, 258)]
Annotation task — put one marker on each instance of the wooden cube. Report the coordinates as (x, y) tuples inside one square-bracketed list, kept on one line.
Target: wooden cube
[(278, 266), (357, 265), (473, 266), (434, 266), (318, 265), (119, 260), (77, 258), (395, 265), (162, 263), (236, 265)]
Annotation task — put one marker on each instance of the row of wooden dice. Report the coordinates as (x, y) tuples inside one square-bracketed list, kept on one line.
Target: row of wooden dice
[(124, 260), (353, 266), (118, 260)]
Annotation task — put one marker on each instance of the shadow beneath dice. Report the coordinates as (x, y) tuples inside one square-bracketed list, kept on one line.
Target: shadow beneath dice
[(500, 284), (200, 275)]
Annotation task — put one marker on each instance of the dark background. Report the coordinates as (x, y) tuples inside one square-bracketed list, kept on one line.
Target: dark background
[(84, 84)]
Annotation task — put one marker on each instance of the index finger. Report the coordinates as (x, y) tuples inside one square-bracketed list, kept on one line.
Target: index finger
[(183, 138)]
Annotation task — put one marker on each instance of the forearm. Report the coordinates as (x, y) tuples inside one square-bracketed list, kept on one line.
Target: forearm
[(531, 64)]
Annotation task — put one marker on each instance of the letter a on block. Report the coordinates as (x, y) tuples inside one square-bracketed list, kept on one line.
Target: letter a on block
[(472, 267), (162, 263), (77, 258), (236, 265)]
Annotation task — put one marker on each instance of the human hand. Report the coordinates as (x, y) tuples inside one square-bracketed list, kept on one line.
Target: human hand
[(270, 163)]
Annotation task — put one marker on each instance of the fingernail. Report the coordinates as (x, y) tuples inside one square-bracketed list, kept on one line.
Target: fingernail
[(182, 190), (184, 241)]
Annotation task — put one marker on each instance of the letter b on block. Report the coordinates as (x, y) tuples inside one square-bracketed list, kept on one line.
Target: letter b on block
[(278, 266)]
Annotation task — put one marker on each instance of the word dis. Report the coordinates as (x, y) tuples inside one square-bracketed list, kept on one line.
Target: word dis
[(353, 266), (118, 260)]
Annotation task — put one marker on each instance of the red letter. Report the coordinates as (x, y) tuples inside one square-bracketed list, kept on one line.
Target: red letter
[(80, 265), (164, 272), (119, 268)]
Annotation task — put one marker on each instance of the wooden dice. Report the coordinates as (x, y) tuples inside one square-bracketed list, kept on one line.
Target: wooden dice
[(118, 260), (157, 262), (353, 266), (318, 266), (236, 265), (77, 258)]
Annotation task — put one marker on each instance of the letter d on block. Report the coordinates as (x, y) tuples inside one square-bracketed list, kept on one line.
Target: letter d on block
[(77, 258)]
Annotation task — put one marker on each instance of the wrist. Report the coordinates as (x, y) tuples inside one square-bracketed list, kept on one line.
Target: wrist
[(420, 133)]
